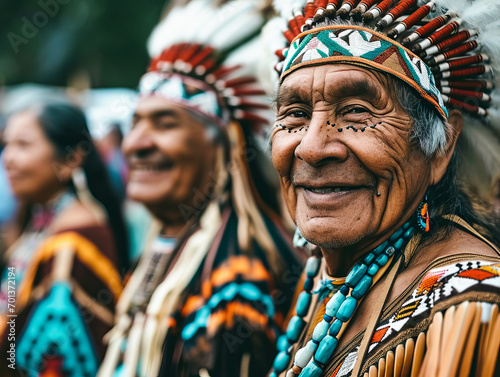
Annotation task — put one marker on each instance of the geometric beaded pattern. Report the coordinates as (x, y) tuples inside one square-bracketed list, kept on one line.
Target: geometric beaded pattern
[(447, 281), (439, 284), (362, 46)]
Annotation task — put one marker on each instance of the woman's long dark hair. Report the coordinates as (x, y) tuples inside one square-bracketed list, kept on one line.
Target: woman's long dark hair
[(66, 128)]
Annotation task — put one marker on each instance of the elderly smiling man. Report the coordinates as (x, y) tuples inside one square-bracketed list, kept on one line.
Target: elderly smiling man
[(364, 146)]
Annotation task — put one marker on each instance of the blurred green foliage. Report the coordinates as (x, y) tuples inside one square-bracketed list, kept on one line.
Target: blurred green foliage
[(52, 41)]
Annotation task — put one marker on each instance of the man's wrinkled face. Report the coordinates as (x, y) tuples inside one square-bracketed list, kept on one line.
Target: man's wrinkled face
[(341, 147), (170, 154)]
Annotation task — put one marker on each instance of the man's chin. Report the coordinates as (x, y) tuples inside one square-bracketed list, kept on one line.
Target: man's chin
[(141, 194), (329, 243), (330, 239)]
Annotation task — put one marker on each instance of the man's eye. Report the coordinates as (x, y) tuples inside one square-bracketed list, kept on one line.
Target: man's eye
[(166, 125), (299, 114), (356, 110)]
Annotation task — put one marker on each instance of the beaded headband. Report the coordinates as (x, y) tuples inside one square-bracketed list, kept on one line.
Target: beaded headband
[(446, 50)]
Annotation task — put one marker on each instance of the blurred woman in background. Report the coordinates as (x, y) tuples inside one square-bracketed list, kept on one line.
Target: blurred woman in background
[(62, 275)]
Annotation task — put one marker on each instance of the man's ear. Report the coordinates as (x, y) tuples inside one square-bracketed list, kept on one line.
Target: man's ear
[(440, 161)]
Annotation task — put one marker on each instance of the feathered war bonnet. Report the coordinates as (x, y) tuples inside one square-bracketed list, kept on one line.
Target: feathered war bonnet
[(203, 56), (447, 50)]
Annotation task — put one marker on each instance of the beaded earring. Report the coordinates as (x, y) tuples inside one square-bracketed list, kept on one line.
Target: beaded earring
[(423, 215)]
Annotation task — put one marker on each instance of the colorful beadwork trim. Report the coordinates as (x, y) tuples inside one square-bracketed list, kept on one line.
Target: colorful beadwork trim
[(364, 47)]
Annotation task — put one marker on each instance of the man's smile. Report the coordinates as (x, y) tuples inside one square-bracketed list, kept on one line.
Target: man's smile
[(329, 195)]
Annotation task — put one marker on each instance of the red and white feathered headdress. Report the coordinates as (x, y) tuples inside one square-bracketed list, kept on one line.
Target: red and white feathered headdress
[(204, 56)]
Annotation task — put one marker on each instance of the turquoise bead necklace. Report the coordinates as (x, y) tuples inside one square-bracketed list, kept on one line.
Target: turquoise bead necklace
[(310, 360)]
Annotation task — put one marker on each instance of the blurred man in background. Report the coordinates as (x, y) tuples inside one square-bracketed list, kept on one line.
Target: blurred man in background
[(212, 288)]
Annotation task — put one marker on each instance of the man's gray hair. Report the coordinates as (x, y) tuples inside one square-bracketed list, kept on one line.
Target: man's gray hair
[(429, 130)]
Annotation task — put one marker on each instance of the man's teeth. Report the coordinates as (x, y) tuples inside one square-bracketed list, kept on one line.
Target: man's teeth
[(327, 190)]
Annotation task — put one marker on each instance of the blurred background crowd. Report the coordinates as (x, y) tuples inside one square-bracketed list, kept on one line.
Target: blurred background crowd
[(88, 53)]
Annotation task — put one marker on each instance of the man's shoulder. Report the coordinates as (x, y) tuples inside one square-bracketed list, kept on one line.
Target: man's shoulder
[(462, 242), (457, 246)]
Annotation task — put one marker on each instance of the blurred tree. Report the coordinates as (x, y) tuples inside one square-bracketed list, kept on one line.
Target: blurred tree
[(55, 41)]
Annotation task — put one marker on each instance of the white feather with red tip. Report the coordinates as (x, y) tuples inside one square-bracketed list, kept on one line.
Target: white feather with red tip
[(248, 53), (156, 42)]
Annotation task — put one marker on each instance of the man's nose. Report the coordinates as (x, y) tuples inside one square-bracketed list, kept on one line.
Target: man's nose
[(321, 142), (139, 139)]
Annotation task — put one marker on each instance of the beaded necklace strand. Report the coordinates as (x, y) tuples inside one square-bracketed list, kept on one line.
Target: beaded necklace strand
[(311, 359)]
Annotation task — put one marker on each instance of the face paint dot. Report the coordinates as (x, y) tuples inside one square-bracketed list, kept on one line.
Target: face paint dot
[(340, 130)]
